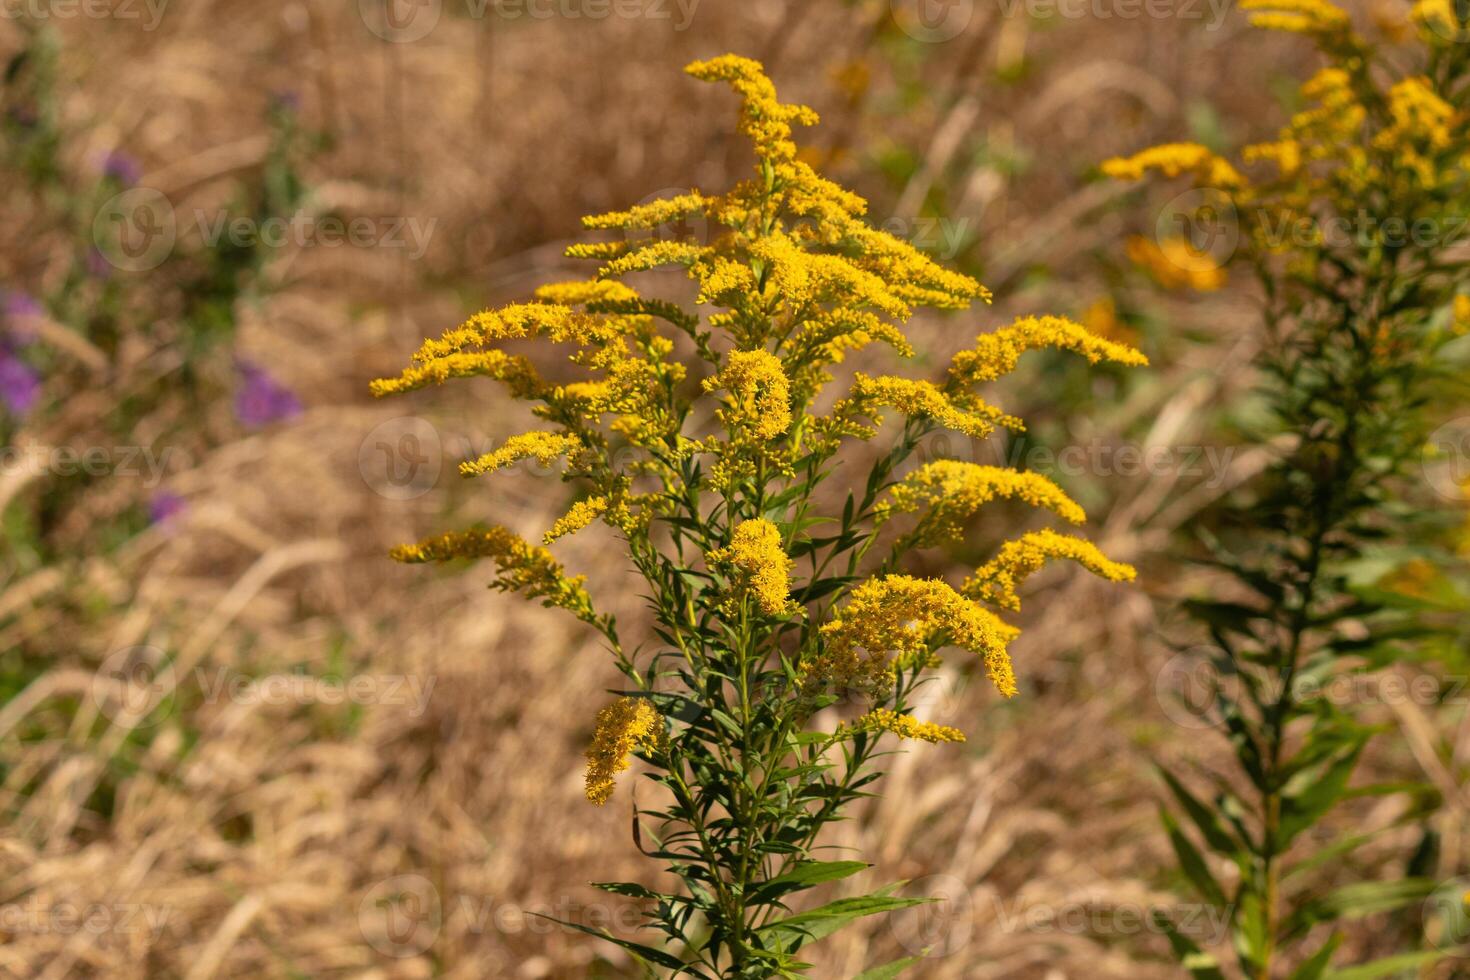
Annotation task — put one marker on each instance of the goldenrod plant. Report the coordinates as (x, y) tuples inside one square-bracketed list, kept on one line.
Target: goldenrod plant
[(787, 640), (1350, 220)]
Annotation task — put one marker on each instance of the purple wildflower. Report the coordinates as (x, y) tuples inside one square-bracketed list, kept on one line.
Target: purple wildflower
[(121, 168), (20, 386), (18, 304), (17, 309), (165, 506), (262, 399), (287, 100)]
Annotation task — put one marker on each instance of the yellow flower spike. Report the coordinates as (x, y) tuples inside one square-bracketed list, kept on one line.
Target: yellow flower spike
[(916, 399), (1298, 16), (764, 118), (997, 353), (582, 513), (949, 492), (517, 373), (760, 392), (652, 257), (587, 291), (894, 620), (544, 447), (652, 214), (996, 581), (523, 567), (624, 726), (1420, 117), (1173, 159), (762, 565), (904, 726)]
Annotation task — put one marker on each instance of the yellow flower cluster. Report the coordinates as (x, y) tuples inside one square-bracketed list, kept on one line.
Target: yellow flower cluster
[(1421, 128), (622, 727), (1173, 159), (1363, 134), (915, 399), (895, 621), (1176, 264), (995, 582), (762, 566), (949, 492), (997, 353), (523, 567), (544, 447), (905, 726), (1461, 314), (760, 393), (583, 513), (1298, 16)]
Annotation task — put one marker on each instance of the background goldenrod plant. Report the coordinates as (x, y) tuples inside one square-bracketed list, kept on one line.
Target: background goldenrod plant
[(788, 638), (1351, 218)]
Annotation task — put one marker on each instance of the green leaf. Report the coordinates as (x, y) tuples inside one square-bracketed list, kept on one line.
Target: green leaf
[(819, 922), (1388, 965), (1203, 818), (1356, 901), (637, 949), (805, 875), (889, 970), (1319, 795), (1192, 863), (1201, 965), (1312, 969)]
